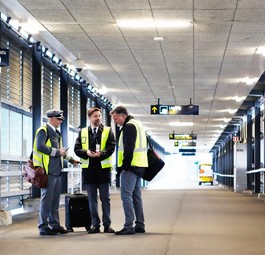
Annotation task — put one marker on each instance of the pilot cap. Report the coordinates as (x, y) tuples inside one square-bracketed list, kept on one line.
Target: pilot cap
[(54, 113)]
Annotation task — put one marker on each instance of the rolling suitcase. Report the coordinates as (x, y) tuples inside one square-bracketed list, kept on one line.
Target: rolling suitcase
[(77, 212)]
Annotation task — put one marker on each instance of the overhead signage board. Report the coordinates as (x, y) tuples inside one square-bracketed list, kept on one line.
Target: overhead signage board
[(188, 144), (187, 150), (188, 154), (175, 109), (182, 137), (4, 57), (176, 143), (185, 144)]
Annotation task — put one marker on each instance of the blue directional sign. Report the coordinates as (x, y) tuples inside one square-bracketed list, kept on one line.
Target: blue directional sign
[(187, 150), (175, 109), (188, 154)]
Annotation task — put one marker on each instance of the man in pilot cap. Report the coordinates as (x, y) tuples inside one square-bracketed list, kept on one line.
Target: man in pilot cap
[(49, 153)]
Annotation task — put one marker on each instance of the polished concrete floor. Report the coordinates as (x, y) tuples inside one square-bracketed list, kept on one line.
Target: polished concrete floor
[(204, 220)]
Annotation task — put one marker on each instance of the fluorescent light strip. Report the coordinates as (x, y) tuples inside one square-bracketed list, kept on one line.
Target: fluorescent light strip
[(158, 39), (152, 24), (181, 124)]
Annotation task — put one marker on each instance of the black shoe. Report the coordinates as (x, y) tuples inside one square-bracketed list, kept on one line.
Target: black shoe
[(47, 232), (60, 230), (125, 231), (93, 230), (109, 230), (139, 229)]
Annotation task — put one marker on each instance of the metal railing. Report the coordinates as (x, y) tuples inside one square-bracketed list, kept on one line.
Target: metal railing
[(13, 188), (260, 170), (74, 179), (254, 171)]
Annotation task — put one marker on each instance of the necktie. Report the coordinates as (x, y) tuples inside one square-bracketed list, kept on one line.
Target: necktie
[(58, 134), (94, 134)]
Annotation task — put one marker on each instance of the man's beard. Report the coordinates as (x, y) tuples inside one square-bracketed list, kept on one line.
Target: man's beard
[(96, 123)]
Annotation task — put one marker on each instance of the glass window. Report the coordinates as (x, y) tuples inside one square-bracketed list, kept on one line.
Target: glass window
[(15, 134), (27, 136), (4, 131)]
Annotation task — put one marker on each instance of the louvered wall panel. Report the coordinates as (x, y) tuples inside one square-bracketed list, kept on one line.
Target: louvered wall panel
[(4, 73), (27, 79), (46, 89), (77, 106), (4, 86), (15, 78), (74, 104), (56, 90)]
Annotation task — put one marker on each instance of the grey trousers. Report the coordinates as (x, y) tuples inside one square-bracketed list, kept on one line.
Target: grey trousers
[(104, 195), (49, 203), (132, 199)]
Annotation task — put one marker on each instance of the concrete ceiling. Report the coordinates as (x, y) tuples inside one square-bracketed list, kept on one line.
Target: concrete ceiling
[(206, 62)]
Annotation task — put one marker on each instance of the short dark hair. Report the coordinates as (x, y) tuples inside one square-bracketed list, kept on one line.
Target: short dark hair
[(93, 109), (119, 110)]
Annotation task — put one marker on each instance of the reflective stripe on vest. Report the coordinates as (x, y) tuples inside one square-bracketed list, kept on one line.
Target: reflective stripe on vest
[(106, 163), (40, 159), (140, 150)]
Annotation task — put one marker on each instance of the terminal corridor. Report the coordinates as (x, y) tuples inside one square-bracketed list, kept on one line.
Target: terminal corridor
[(206, 220)]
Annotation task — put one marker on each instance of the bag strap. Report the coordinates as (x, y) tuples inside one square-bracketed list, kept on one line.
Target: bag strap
[(148, 138)]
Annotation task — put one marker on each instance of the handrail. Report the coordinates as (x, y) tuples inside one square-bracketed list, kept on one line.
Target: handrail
[(224, 175), (256, 171), (247, 172), (8, 192), (9, 173), (71, 170), (260, 170)]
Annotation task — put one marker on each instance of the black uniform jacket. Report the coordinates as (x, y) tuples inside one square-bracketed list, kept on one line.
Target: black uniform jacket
[(94, 173), (129, 139)]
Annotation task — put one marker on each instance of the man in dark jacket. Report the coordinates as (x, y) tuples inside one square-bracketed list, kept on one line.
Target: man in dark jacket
[(95, 145), (132, 160)]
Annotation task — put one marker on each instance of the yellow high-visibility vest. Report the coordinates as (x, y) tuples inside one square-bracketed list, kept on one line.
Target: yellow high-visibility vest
[(85, 146), (140, 151), (39, 158)]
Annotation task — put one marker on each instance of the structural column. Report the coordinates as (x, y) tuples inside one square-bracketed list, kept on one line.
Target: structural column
[(64, 95), (257, 146), (249, 150), (36, 99), (83, 102)]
